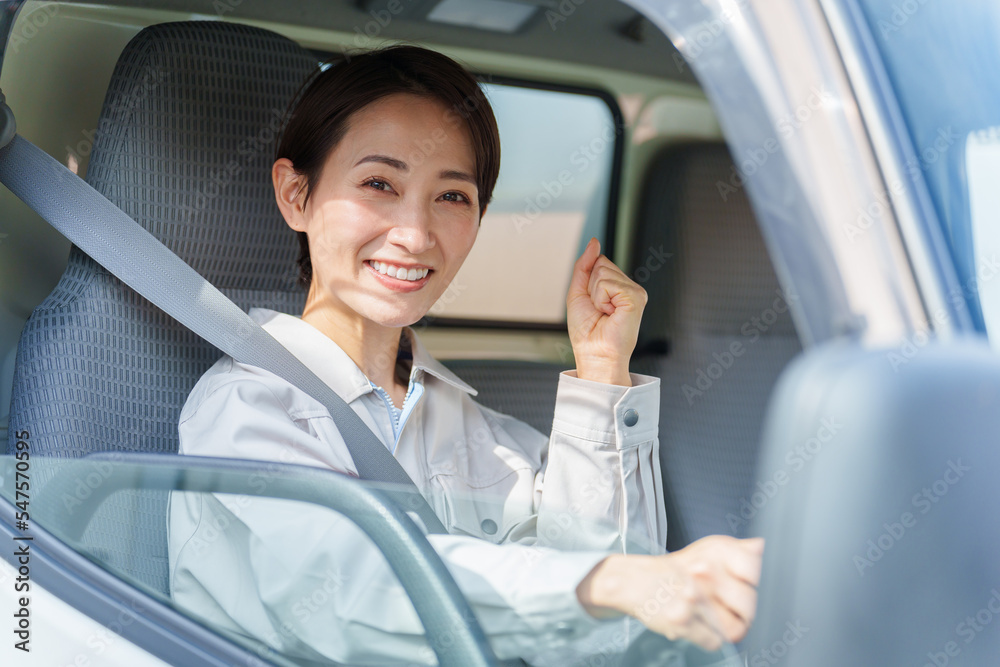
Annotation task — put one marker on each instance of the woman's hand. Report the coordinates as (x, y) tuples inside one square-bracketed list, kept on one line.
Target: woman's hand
[(705, 593), (603, 310)]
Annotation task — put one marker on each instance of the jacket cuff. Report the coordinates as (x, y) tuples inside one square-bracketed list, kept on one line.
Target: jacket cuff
[(561, 617), (538, 584), (607, 413)]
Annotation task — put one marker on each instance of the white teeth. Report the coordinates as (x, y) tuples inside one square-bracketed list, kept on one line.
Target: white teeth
[(399, 272)]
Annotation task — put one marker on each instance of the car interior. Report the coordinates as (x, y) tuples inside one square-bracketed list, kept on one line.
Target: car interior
[(163, 95)]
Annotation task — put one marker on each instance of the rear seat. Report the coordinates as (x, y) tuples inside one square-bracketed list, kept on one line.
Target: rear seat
[(718, 294), (524, 389), (717, 289)]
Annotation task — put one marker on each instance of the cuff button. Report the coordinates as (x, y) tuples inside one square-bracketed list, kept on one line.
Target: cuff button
[(489, 526), (631, 417)]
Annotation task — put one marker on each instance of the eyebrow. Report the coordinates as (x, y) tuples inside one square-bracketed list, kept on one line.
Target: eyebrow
[(384, 159), (457, 176), (452, 174)]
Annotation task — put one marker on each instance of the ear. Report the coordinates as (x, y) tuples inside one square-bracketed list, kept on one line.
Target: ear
[(289, 193)]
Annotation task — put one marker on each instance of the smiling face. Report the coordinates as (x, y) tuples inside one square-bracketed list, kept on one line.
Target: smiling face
[(393, 215)]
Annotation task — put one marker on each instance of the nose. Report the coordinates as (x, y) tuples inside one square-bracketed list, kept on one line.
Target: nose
[(412, 229)]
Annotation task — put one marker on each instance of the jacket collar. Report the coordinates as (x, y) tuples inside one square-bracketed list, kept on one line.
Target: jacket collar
[(424, 362), (333, 366)]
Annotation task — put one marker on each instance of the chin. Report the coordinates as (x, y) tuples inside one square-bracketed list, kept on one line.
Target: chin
[(389, 317)]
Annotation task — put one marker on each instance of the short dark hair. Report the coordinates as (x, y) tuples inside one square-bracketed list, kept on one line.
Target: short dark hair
[(319, 115)]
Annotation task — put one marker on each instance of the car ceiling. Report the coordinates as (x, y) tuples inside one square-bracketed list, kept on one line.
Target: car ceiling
[(603, 33)]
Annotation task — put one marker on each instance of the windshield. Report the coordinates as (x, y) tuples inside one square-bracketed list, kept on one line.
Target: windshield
[(941, 59)]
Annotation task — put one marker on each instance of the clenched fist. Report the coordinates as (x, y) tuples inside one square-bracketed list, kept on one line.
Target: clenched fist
[(603, 311)]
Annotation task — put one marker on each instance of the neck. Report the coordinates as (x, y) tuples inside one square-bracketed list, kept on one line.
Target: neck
[(371, 346)]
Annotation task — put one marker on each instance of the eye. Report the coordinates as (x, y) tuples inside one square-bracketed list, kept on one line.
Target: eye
[(457, 197), (376, 184)]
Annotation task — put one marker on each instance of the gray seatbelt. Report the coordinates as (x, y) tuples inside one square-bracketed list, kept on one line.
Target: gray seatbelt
[(123, 247)]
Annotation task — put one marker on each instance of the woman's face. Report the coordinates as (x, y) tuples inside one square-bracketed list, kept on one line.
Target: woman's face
[(394, 214)]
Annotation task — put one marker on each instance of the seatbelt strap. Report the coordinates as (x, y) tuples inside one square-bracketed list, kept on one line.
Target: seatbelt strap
[(123, 247)]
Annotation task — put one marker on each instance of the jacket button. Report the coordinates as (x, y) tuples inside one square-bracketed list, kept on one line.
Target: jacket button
[(489, 526), (564, 629), (631, 417)]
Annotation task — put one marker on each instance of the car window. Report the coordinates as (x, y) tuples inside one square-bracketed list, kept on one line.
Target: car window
[(553, 194), (175, 547), (303, 597), (950, 102)]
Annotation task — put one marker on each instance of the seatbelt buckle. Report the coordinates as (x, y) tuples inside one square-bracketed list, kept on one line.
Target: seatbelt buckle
[(8, 127)]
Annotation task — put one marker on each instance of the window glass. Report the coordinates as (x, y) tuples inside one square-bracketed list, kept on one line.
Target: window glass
[(293, 582), (942, 58), (552, 196), (294, 601), (982, 164)]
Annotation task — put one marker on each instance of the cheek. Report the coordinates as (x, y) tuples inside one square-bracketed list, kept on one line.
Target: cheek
[(342, 227), (464, 238)]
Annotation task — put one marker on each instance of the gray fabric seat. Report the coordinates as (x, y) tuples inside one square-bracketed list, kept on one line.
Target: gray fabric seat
[(185, 145), (717, 290)]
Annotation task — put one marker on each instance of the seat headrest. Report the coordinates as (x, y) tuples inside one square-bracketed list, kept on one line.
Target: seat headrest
[(882, 541), (186, 142)]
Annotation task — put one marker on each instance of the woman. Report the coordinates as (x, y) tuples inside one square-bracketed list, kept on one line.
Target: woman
[(385, 170)]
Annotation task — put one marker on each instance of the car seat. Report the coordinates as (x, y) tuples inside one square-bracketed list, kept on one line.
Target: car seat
[(184, 146)]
